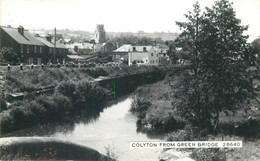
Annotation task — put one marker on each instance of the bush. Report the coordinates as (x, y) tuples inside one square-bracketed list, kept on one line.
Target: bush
[(189, 133), (3, 105), (209, 155)]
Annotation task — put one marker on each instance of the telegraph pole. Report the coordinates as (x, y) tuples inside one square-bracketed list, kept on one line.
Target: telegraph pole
[(54, 51)]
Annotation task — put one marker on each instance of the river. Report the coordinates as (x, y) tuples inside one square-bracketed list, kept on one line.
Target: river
[(115, 127)]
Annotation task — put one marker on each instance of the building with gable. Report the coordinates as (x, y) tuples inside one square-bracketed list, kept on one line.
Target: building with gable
[(31, 49), (143, 55), (140, 55), (28, 48)]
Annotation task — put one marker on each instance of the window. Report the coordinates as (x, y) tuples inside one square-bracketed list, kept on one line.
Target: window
[(151, 54), (157, 55), (40, 49), (21, 48), (35, 49), (28, 49), (156, 61), (50, 50), (30, 61), (39, 61)]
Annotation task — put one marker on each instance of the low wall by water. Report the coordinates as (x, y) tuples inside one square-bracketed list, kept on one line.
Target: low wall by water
[(36, 148), (125, 84)]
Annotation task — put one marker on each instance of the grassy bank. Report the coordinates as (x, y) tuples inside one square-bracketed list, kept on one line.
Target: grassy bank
[(153, 105), (44, 148), (72, 93)]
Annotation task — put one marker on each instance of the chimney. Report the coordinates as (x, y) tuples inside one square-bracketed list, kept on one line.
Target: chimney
[(21, 30), (48, 37), (76, 48), (144, 48)]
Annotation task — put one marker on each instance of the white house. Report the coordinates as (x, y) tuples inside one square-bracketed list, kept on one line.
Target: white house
[(143, 55)]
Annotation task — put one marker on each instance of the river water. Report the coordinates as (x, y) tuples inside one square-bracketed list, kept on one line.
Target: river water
[(115, 127)]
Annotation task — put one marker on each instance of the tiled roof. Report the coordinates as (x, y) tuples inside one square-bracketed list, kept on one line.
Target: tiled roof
[(46, 42), (128, 47), (141, 48), (50, 44), (26, 39), (124, 48), (58, 45), (75, 57)]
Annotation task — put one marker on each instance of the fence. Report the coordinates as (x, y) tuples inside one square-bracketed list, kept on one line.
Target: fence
[(71, 65)]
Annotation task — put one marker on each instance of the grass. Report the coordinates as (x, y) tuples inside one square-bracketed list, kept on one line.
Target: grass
[(157, 113), (157, 101), (72, 92)]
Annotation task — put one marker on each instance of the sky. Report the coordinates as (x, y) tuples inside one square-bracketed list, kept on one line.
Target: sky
[(116, 15)]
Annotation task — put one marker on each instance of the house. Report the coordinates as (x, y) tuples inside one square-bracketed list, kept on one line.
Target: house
[(143, 55), (164, 58), (28, 48), (81, 48), (32, 49), (104, 48), (60, 54), (121, 53)]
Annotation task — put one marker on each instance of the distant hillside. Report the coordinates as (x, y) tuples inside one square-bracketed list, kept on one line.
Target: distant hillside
[(78, 35)]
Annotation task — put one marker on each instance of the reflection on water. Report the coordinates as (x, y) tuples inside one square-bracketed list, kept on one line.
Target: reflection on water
[(97, 128), (116, 127)]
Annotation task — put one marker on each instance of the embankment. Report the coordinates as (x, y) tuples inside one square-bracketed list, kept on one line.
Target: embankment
[(75, 92), (45, 148)]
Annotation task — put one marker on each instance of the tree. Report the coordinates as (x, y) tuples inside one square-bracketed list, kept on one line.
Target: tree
[(219, 60), (10, 56), (256, 48)]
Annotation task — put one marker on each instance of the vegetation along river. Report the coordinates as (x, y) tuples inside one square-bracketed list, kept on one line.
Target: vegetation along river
[(114, 127)]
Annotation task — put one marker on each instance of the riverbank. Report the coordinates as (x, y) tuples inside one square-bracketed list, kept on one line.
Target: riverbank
[(55, 94), (45, 148), (153, 104)]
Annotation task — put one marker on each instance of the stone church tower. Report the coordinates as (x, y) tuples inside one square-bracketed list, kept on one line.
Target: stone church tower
[(100, 34)]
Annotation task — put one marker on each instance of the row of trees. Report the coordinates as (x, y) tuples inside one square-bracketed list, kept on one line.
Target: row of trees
[(219, 56)]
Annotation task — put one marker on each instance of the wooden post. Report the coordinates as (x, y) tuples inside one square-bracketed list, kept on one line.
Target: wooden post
[(8, 68), (21, 66)]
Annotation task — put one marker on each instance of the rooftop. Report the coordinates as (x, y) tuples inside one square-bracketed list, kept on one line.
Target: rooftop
[(129, 47), (27, 38)]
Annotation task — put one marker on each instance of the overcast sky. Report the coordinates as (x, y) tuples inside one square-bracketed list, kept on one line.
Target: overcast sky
[(116, 15)]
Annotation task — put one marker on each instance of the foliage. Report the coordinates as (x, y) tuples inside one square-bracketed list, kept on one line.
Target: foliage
[(10, 56), (110, 153), (209, 155), (3, 104), (189, 133), (219, 56)]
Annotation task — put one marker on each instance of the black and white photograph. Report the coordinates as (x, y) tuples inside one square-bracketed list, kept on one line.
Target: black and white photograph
[(130, 80)]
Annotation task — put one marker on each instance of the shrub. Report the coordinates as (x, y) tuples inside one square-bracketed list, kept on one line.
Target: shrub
[(6, 122), (209, 155), (3, 105), (189, 133)]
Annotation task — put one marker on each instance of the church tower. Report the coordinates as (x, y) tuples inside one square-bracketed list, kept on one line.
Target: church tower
[(100, 34)]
